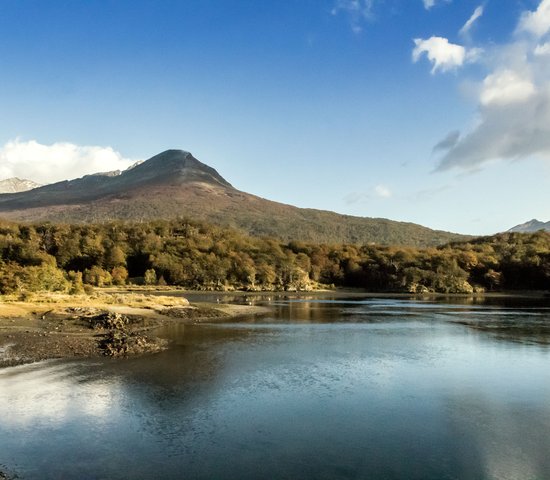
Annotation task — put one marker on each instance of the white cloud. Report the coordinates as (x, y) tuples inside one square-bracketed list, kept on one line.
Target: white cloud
[(59, 161), (513, 120), (543, 49), (537, 22), (358, 11), (382, 191), (514, 131), (443, 54), (505, 87), (478, 12)]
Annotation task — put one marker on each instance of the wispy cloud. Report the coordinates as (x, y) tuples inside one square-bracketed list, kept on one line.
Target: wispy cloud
[(358, 12), (429, 194), (379, 191), (513, 120), (382, 191), (361, 12), (428, 4), (59, 161), (478, 12)]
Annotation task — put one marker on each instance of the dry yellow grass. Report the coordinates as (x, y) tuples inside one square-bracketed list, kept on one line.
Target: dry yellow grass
[(95, 299)]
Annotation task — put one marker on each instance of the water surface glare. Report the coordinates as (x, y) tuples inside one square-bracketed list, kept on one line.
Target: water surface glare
[(319, 389)]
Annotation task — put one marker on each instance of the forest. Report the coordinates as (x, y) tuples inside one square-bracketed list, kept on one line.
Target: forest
[(194, 255)]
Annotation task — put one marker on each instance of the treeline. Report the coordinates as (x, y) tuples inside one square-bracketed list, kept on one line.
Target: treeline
[(193, 255)]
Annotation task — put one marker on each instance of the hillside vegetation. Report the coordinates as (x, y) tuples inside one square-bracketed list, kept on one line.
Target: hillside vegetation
[(174, 184), (200, 256)]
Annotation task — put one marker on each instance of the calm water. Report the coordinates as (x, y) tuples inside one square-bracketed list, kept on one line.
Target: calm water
[(320, 389)]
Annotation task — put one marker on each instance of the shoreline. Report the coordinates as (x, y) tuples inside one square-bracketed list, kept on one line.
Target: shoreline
[(60, 326), (122, 322), (337, 292), (180, 292)]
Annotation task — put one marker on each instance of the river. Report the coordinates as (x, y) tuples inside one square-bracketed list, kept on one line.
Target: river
[(321, 388)]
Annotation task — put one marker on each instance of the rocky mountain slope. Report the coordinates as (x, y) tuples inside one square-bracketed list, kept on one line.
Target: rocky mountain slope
[(174, 184)]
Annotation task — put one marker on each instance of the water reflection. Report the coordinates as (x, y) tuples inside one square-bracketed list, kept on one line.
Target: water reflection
[(491, 430), (372, 388)]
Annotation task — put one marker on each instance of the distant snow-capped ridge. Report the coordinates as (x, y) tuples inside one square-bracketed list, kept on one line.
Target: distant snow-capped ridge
[(531, 226), (16, 185)]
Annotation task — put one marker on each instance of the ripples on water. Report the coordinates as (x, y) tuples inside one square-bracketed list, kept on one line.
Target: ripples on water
[(321, 388)]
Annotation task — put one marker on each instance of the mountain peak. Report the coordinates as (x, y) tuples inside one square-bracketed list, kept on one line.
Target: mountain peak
[(15, 185), (533, 225), (177, 166), (174, 184)]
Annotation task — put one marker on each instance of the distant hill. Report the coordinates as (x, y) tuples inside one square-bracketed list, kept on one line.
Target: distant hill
[(15, 185), (531, 226), (174, 184)]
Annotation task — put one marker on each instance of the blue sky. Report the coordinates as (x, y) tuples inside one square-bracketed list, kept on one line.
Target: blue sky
[(331, 104)]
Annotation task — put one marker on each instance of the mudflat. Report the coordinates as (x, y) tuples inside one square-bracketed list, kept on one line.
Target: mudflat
[(45, 326)]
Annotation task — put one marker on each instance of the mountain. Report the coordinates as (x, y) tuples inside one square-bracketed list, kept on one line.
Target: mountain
[(531, 226), (115, 173), (174, 184), (15, 185)]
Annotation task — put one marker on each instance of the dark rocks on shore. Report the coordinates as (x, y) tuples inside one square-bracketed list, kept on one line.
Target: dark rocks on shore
[(120, 340), (109, 320), (119, 343), (193, 313)]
